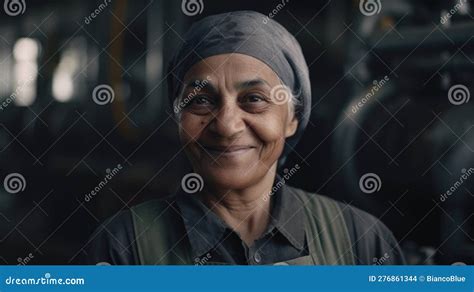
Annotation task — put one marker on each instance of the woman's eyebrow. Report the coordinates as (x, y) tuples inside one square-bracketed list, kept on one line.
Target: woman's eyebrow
[(251, 83), (200, 84)]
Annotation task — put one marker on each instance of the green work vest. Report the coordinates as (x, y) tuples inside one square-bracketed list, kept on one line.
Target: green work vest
[(161, 237)]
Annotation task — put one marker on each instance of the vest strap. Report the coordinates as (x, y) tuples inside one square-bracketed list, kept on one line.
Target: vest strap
[(160, 234), (161, 238), (329, 242)]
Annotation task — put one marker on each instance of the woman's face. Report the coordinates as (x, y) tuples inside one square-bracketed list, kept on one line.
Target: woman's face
[(232, 131)]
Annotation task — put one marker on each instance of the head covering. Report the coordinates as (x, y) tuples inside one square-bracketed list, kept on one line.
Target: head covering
[(253, 34)]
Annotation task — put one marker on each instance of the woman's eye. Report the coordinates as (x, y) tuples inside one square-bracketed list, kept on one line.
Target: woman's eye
[(201, 105), (255, 103), (254, 98), (201, 100)]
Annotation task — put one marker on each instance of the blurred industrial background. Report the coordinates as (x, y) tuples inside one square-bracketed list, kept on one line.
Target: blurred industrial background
[(391, 84)]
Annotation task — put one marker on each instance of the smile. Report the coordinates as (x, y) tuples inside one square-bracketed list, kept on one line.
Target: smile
[(233, 150)]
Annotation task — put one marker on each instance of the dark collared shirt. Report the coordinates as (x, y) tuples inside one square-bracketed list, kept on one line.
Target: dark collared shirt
[(212, 240)]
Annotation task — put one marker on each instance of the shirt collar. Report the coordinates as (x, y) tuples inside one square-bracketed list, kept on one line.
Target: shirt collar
[(288, 215), (205, 229)]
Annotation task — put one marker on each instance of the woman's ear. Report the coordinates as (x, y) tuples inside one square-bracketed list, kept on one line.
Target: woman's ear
[(291, 126)]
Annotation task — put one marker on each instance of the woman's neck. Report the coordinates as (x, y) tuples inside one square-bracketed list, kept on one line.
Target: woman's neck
[(246, 211)]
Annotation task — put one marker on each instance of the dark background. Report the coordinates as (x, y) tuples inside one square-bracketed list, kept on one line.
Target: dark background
[(408, 133)]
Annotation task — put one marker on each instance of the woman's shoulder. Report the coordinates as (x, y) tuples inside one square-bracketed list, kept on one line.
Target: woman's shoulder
[(114, 240), (351, 213), (371, 240), (111, 242), (153, 207)]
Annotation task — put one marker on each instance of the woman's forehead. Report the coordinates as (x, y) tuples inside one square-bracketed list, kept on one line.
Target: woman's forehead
[(237, 67)]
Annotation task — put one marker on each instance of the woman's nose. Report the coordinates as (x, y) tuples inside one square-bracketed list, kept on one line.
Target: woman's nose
[(227, 122)]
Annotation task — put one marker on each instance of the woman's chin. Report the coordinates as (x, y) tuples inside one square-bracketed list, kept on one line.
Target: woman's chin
[(230, 178)]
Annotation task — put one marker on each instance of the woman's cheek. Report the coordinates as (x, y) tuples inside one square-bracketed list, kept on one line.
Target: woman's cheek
[(269, 129), (190, 127), (271, 132)]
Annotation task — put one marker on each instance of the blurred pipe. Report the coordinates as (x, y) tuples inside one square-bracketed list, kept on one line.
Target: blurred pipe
[(347, 136), (459, 62), (154, 60), (115, 70), (458, 34)]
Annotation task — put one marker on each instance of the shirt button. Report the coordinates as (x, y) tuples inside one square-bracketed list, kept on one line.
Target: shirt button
[(257, 257)]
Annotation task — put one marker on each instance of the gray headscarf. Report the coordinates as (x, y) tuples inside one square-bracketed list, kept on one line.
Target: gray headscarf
[(253, 34)]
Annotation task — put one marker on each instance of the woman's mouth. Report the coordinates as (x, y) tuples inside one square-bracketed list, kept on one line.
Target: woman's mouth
[(227, 150)]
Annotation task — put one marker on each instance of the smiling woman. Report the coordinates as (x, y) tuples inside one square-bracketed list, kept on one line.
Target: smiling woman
[(236, 131), (233, 131)]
